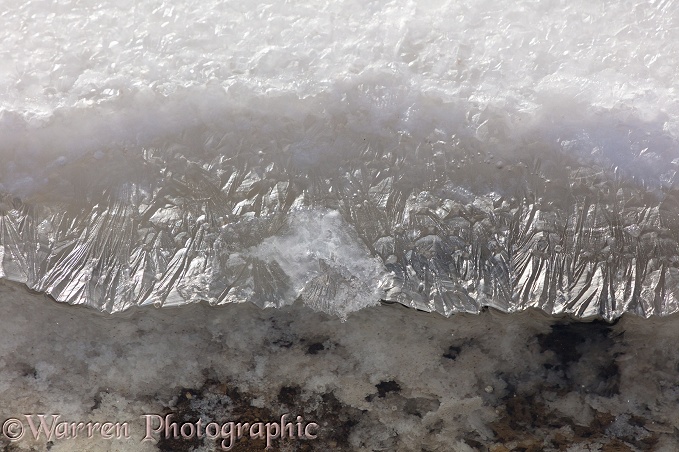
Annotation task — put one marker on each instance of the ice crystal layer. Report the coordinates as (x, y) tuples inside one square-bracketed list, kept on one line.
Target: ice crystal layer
[(446, 156)]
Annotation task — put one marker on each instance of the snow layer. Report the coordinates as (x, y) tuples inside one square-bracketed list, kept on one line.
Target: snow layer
[(84, 76), (159, 120)]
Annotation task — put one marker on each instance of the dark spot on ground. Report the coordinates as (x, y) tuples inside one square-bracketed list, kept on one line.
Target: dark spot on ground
[(452, 353), (288, 394), (580, 346), (315, 348), (385, 387), (475, 443), (563, 341), (283, 343), (97, 401)]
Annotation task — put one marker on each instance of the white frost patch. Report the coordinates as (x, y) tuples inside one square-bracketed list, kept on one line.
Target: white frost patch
[(597, 79), (325, 261)]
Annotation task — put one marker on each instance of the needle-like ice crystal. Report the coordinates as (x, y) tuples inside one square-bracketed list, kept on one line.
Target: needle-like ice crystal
[(446, 155)]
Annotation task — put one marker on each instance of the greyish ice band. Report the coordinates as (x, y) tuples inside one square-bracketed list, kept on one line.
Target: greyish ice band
[(341, 154)]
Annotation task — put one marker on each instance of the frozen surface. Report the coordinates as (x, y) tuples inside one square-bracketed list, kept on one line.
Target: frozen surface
[(443, 155), (387, 379)]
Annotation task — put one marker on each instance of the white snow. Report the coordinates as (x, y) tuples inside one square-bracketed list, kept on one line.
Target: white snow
[(85, 77)]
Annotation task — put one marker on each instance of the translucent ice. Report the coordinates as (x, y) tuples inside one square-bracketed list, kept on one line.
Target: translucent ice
[(460, 154)]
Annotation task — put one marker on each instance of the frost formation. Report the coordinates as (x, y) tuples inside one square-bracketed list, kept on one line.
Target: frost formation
[(445, 155)]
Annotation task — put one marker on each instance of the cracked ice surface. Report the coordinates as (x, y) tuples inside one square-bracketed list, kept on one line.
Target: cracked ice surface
[(443, 155)]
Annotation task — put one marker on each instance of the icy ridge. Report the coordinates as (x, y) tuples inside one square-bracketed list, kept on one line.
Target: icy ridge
[(437, 224), (450, 155)]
